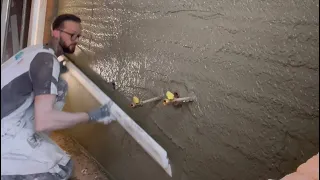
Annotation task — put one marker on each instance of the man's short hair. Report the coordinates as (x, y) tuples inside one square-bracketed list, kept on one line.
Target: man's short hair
[(58, 22)]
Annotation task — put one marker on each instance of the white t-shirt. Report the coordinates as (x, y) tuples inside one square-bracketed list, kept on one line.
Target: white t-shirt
[(33, 71)]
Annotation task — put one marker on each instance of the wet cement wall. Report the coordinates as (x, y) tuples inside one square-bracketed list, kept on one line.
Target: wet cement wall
[(253, 66)]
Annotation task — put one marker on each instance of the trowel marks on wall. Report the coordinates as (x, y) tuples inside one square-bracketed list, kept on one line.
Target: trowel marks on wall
[(253, 66)]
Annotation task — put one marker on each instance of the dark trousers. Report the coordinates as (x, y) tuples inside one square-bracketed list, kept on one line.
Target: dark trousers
[(65, 174)]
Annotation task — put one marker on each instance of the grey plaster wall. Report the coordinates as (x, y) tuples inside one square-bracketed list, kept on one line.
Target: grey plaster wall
[(253, 66)]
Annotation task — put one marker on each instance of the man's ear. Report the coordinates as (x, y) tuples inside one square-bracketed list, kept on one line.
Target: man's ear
[(56, 34)]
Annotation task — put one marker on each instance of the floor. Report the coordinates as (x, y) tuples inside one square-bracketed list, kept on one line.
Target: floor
[(85, 168)]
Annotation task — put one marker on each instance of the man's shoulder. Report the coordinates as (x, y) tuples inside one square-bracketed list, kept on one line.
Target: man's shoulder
[(32, 53), (21, 61), (35, 49), (28, 54)]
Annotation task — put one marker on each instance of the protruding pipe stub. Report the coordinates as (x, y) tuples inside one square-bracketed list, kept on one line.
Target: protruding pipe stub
[(136, 101), (177, 100)]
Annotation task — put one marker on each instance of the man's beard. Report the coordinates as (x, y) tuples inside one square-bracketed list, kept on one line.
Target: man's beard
[(67, 49)]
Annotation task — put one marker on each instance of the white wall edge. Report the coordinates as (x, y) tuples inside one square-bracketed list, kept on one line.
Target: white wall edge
[(5, 12), (37, 22)]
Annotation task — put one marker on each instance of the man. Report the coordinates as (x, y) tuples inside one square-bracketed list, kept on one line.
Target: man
[(32, 97)]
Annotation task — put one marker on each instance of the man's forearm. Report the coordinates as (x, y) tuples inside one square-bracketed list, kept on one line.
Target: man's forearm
[(55, 120)]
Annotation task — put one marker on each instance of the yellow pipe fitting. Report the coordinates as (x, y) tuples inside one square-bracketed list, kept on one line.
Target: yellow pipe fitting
[(136, 101)]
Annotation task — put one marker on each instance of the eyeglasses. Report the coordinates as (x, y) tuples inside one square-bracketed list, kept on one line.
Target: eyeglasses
[(73, 36)]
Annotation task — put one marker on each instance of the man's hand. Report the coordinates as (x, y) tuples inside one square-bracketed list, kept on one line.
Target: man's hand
[(102, 115)]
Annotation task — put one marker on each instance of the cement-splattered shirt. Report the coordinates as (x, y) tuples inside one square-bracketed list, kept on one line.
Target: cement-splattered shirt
[(31, 72)]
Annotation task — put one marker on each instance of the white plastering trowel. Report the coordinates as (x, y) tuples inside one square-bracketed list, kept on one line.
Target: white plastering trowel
[(147, 143)]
